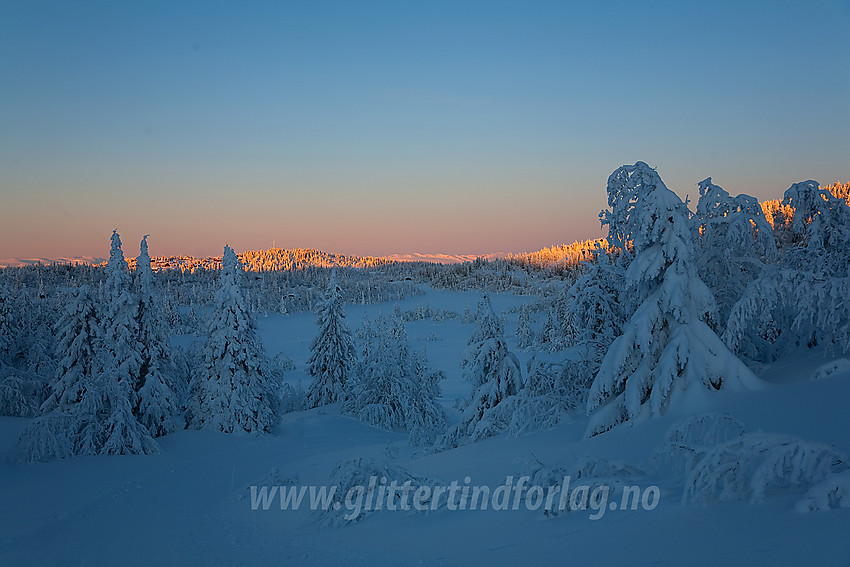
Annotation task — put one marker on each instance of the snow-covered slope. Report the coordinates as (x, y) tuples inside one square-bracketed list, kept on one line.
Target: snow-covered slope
[(192, 503)]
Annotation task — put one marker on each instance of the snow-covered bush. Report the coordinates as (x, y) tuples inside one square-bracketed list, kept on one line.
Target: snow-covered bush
[(292, 398), (395, 388), (333, 356), (747, 467), (803, 301), (667, 345), (734, 243), (786, 309), (550, 392), (540, 404), (689, 439), (55, 435), (832, 492), (18, 395), (366, 486), (590, 471)]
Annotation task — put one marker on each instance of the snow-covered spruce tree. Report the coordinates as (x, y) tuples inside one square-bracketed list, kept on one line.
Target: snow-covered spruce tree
[(26, 351), (524, 333), (90, 410), (118, 363), (5, 320), (591, 317), (333, 356), (488, 327), (157, 402), (666, 347), (38, 342), (395, 388), (550, 391), (594, 315), (496, 375), (230, 391), (802, 301), (821, 227), (76, 332), (734, 244)]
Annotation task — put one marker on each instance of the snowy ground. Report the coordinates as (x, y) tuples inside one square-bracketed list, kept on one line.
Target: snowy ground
[(191, 504)]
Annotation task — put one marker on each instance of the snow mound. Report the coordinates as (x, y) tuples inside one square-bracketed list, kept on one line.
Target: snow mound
[(603, 468), (689, 439), (362, 489), (837, 366), (833, 492), (750, 465), (592, 472)]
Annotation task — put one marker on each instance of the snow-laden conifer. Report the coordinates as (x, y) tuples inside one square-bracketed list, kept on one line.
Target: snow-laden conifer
[(496, 375), (734, 244), (157, 402), (91, 407), (396, 389), (801, 301), (748, 466), (594, 314), (333, 356), (27, 366), (666, 346), (76, 332), (524, 333), (118, 364), (230, 391)]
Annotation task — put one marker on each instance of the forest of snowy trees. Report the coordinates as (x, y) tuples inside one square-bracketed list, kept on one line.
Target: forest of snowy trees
[(672, 300)]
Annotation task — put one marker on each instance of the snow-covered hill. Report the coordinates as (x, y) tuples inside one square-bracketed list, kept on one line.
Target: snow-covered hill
[(192, 503)]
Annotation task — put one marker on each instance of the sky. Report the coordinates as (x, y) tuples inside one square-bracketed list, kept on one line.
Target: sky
[(374, 128)]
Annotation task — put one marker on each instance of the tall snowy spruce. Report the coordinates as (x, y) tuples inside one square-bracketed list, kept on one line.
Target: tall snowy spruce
[(231, 390), (496, 375), (157, 397), (118, 363), (333, 356), (90, 409), (665, 347)]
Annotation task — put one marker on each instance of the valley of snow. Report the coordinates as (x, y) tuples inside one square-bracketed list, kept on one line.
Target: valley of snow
[(192, 503)]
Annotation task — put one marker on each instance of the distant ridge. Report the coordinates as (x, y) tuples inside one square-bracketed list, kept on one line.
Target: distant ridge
[(266, 260), (443, 258), (19, 262), (275, 259)]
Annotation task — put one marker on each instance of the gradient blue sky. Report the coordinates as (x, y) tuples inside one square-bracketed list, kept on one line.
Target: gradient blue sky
[(374, 128)]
